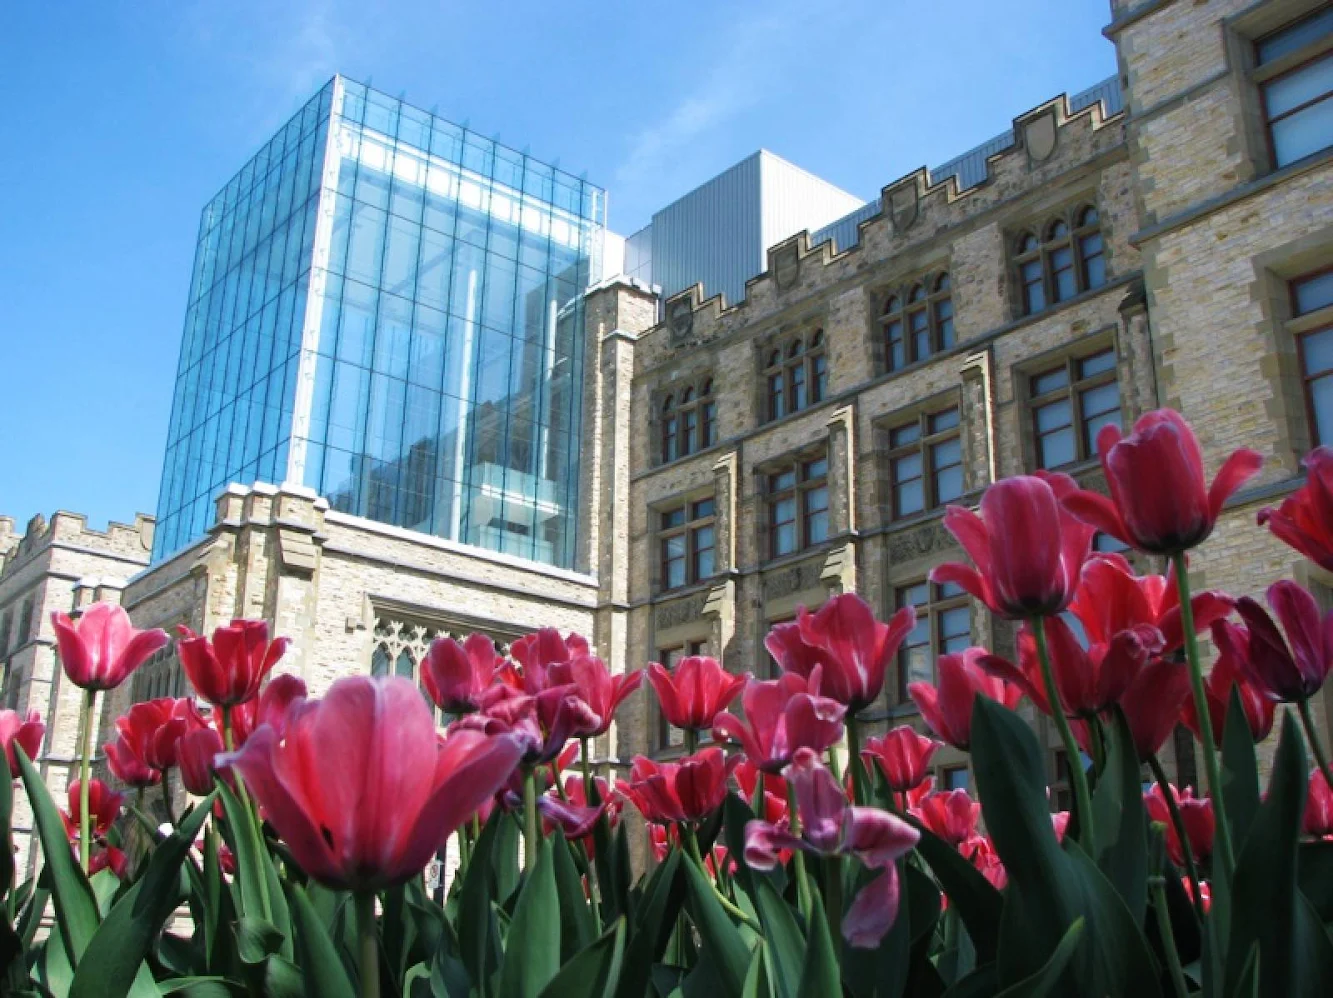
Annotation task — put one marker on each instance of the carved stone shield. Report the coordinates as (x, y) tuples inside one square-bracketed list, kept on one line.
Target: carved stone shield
[(903, 207), (1039, 136), (680, 319), (786, 268)]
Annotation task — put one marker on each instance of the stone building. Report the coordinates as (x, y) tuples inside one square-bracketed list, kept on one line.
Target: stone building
[(1163, 239)]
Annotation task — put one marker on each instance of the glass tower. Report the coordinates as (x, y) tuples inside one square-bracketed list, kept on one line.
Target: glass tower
[(387, 308)]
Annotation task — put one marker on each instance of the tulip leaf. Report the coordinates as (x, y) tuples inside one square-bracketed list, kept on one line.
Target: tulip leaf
[(1240, 773), (201, 987), (532, 948), (594, 970), (113, 963), (1121, 820), (655, 919), (478, 932), (75, 903), (1315, 873), (883, 971), (756, 982), (578, 930), (977, 901), (1122, 962), (251, 878), (720, 939), (1043, 982), (820, 976), (1247, 982), (979, 983), (1263, 891), (784, 943), (327, 976)]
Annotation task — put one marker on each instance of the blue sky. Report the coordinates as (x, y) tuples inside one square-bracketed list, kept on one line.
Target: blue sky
[(122, 119)]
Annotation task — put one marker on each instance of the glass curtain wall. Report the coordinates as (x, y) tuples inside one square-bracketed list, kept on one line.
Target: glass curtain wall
[(447, 393), (231, 413)]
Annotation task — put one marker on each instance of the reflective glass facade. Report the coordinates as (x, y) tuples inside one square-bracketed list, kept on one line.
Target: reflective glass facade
[(435, 383)]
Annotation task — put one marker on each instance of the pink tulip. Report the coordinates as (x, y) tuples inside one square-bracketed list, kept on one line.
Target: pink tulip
[(195, 754), (950, 814), (456, 675), (1218, 684), (229, 669), (1318, 806), (25, 732), (1027, 549), (688, 790), (102, 648), (948, 708), (1286, 671), (361, 788), (537, 652), (1304, 520), (1196, 814), (903, 756), (1152, 705), (596, 687), (781, 716), (1160, 502), (270, 708), (695, 692)]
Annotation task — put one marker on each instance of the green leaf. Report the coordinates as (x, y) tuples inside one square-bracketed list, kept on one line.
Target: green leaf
[(1043, 982), (1314, 872), (1247, 981), (1122, 961), (1240, 774), (532, 948), (326, 975), (1263, 893), (655, 919), (256, 940), (720, 939), (756, 985), (478, 933), (1121, 820), (784, 942), (594, 970), (202, 987), (114, 958), (251, 878), (975, 899), (75, 903), (578, 930), (282, 979), (820, 976)]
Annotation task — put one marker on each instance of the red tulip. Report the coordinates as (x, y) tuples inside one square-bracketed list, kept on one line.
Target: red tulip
[(950, 814), (229, 669), (688, 790), (1319, 806), (981, 852), (1152, 705), (1028, 550), (1217, 686), (127, 766), (1304, 520), (108, 857), (781, 717), (351, 788), (613, 799), (195, 753), (575, 821), (270, 708), (1205, 893), (101, 648), (1196, 814), (26, 732), (1287, 671), (1088, 680), (1112, 599), (948, 708), (537, 652), (103, 808), (844, 640), (831, 827), (694, 693), (148, 736), (596, 687), (903, 756), (1159, 500), (543, 723), (456, 675)]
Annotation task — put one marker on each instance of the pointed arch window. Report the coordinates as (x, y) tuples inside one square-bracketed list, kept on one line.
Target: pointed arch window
[(917, 322), (688, 421), (796, 375), (1066, 259)]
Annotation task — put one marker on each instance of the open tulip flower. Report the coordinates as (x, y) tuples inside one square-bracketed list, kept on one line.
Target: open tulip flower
[(1151, 706), (1218, 684), (948, 707), (950, 814), (1111, 599), (1318, 806), (843, 640), (1027, 548), (100, 649), (1089, 680), (832, 827), (688, 790), (543, 723), (148, 737), (103, 808), (695, 692), (1304, 520), (1160, 502), (270, 708), (1289, 671), (456, 674), (229, 668), (360, 786), (536, 653), (1196, 814), (781, 716), (25, 732), (595, 686), (903, 756)]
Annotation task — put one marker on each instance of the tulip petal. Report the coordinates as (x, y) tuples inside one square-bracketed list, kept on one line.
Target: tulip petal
[(1300, 617), (1236, 470), (873, 911), (1099, 511)]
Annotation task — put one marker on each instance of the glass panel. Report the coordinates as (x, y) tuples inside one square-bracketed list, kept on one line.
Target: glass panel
[(955, 778), (1062, 273), (1094, 261), (946, 420), (1034, 295), (1321, 402), (1053, 416), (1049, 381), (902, 435), (1317, 349), (1303, 133), (1057, 449), (1096, 364), (1294, 36), (1314, 292), (1298, 87)]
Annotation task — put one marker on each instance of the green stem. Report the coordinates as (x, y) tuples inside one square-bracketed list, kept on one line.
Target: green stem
[(692, 848), (1315, 746), (854, 752), (1178, 822), (166, 796), (368, 946), (691, 741), (1156, 886), (586, 760), (1075, 761), (530, 820), (834, 765), (798, 858), (85, 776), (757, 798), (833, 899), (594, 884), (1224, 849)]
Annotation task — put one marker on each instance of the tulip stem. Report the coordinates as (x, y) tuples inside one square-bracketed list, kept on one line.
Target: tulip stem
[(854, 760), (1315, 745), (1156, 885), (1178, 822), (251, 812), (691, 741), (166, 797), (798, 858), (692, 848), (368, 947), (1073, 758), (85, 776), (1224, 849), (530, 820), (833, 899), (594, 883)]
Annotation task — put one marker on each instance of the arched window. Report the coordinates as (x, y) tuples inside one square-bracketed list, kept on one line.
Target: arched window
[(1068, 260), (924, 326), (689, 421), (796, 375)]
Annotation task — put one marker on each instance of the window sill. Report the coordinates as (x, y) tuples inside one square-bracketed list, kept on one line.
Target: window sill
[(783, 560), (678, 592), (687, 457), (896, 524)]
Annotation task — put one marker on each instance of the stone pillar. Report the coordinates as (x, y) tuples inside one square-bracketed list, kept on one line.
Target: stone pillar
[(978, 419), (842, 471), (1137, 369)]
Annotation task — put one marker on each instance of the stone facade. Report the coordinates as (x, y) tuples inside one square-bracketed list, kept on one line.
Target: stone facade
[(1185, 303)]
